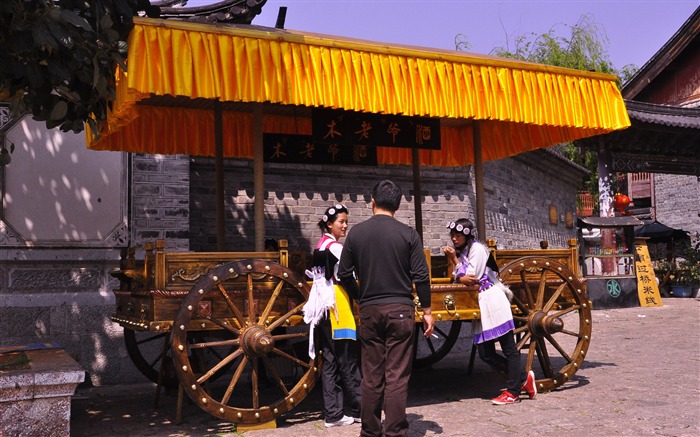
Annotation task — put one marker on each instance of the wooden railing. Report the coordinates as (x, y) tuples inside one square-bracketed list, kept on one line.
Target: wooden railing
[(639, 185), (584, 207)]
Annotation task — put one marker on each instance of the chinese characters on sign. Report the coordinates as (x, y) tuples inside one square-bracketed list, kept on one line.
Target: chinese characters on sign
[(301, 149), (351, 128), (351, 138), (647, 288)]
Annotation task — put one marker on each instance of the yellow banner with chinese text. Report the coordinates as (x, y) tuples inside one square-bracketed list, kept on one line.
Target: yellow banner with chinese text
[(647, 288)]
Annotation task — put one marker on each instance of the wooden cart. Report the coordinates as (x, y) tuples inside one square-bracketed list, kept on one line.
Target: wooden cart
[(228, 326)]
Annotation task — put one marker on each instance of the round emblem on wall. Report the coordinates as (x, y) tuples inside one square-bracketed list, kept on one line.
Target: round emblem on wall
[(614, 289)]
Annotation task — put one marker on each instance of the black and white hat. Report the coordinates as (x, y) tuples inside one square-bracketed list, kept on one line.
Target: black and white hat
[(333, 211), (458, 227)]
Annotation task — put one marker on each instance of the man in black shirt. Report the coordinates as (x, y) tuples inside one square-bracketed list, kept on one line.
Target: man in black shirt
[(387, 258)]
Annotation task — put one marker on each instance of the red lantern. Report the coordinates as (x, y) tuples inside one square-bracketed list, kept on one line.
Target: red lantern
[(620, 203)]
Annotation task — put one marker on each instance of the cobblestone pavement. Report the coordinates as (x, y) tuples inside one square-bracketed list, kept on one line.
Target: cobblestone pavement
[(641, 377)]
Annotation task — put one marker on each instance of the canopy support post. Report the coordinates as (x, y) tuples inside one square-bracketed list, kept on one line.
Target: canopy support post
[(219, 166), (258, 177), (479, 182), (417, 192)]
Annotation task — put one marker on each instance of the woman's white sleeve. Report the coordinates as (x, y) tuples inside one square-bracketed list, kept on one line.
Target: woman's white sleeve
[(478, 257), (336, 249)]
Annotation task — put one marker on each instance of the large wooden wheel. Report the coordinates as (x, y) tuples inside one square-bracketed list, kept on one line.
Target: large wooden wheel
[(430, 350), (553, 318), (256, 305)]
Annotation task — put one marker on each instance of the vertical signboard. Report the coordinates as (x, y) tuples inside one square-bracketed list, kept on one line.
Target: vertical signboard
[(647, 288)]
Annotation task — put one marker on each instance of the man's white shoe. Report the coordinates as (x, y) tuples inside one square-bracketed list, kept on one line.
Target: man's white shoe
[(345, 420)]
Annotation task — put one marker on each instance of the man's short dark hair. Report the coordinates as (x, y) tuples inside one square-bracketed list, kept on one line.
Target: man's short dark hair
[(387, 195)]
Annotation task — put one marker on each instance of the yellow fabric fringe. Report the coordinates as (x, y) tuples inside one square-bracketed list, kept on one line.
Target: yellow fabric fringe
[(521, 106)]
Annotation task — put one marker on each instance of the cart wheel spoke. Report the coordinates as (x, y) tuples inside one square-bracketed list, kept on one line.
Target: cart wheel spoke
[(531, 350), (558, 347), (524, 340), (291, 358), (277, 323), (251, 300), (232, 306), (255, 363), (212, 344), (221, 323), (221, 365), (275, 375), (519, 330), (236, 377), (294, 336), (565, 311), (543, 357), (270, 303), (555, 296), (530, 304), (541, 290), (571, 333), (522, 306)]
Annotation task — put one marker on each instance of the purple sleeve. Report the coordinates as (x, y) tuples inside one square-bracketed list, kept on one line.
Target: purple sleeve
[(462, 269)]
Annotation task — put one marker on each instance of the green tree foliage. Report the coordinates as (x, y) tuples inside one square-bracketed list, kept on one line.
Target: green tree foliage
[(585, 48), (58, 58)]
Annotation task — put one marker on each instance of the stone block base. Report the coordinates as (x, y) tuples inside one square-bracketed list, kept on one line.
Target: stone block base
[(36, 401)]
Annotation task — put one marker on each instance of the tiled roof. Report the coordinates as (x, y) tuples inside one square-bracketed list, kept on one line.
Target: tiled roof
[(661, 139), (222, 11), (673, 116)]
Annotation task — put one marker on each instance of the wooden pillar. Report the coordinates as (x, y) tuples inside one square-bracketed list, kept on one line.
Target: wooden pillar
[(258, 177), (417, 192), (479, 183), (219, 166)]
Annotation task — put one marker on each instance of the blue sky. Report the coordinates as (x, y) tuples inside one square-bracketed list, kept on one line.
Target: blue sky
[(636, 29)]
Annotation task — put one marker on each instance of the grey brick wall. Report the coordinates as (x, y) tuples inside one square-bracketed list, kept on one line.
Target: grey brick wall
[(160, 200), (678, 202), (518, 194)]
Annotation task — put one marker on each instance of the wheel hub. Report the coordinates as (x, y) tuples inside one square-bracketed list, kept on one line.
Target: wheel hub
[(257, 341), (541, 324)]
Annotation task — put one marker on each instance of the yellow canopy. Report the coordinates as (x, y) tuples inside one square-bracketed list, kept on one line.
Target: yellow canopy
[(177, 69)]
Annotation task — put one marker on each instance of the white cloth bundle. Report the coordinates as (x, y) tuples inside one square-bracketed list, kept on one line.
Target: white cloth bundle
[(321, 299)]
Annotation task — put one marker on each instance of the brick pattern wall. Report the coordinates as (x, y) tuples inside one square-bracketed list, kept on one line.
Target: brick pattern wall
[(160, 200), (518, 194), (677, 200)]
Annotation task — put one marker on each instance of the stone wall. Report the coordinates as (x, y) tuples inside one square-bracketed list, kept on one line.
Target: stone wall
[(518, 191), (160, 200), (677, 200)]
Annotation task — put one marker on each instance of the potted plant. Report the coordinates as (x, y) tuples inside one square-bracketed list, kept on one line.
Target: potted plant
[(687, 278)]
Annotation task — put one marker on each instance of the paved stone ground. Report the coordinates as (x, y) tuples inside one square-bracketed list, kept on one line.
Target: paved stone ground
[(641, 377)]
